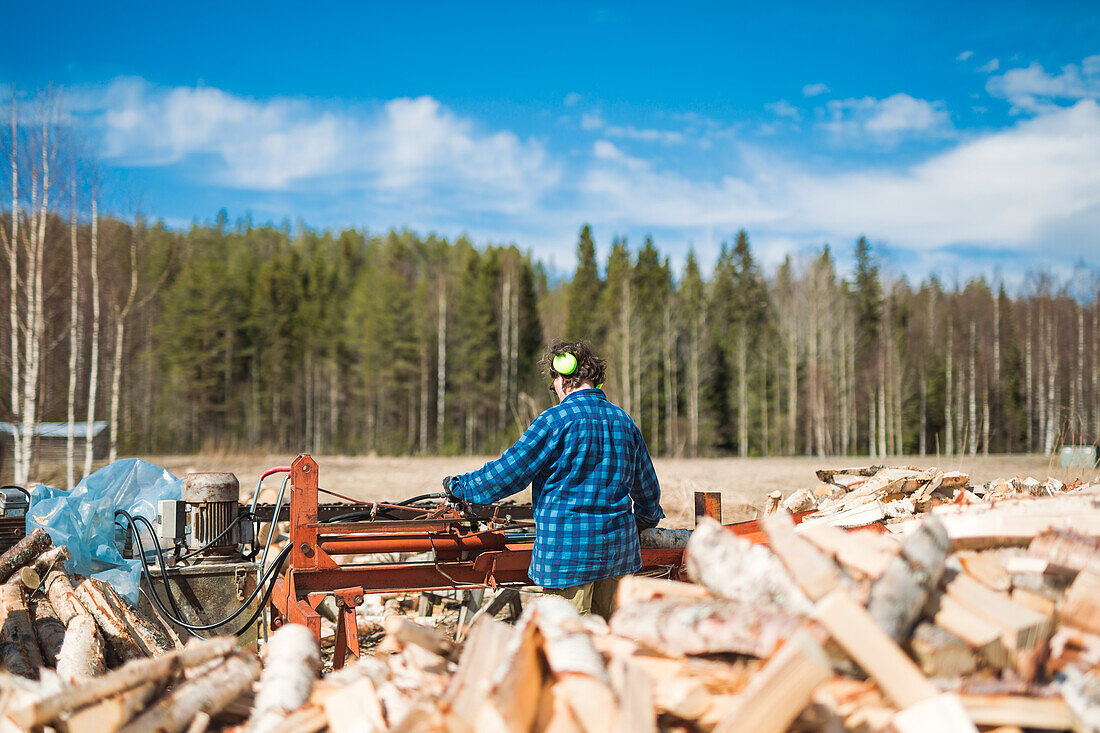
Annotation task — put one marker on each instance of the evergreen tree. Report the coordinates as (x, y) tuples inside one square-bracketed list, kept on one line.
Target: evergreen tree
[(584, 320)]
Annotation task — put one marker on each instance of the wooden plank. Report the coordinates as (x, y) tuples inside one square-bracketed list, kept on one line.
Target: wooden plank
[(779, 691), (872, 649)]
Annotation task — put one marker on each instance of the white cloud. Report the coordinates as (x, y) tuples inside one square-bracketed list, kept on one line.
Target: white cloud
[(783, 108), (1033, 189), (594, 121), (990, 66), (571, 99), (415, 146), (964, 55), (1032, 89), (886, 121), (813, 90)]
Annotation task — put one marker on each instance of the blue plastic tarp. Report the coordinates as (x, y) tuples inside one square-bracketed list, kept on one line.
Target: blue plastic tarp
[(84, 519)]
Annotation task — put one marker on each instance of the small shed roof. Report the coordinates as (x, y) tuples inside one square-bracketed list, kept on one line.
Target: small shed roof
[(58, 429)]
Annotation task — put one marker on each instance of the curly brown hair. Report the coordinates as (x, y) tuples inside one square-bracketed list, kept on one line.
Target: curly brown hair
[(590, 368)]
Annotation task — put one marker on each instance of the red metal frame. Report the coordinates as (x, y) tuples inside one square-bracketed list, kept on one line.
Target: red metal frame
[(464, 558)]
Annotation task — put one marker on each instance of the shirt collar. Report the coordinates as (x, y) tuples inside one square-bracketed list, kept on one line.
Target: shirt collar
[(589, 392)]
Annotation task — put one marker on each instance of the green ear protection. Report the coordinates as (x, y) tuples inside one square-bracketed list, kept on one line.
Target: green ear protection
[(565, 364)]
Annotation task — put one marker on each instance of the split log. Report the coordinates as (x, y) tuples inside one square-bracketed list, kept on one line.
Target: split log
[(639, 588), (899, 595), (635, 692), (827, 474), (516, 683), (404, 631), (815, 573), (576, 665), (472, 682), (81, 655), (734, 568), (779, 692), (1066, 549), (1045, 713), (941, 653), (354, 709), (986, 568), (126, 677), (773, 502), (49, 631), (1014, 522), (943, 713), (129, 634), (209, 693), (107, 716), (800, 501), (848, 517), (1021, 628), (1081, 606), (864, 551), (871, 648), (985, 639), (18, 647), (676, 628), (1081, 691), (292, 663), (24, 552)]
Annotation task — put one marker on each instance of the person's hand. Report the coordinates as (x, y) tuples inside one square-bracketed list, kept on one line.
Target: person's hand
[(452, 498)]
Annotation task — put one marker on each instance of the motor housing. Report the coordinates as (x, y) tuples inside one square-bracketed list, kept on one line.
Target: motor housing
[(214, 503)]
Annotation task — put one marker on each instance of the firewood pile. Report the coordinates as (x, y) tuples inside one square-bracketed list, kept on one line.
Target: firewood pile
[(977, 610)]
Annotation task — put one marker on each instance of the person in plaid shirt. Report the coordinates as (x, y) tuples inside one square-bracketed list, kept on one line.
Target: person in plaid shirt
[(592, 483)]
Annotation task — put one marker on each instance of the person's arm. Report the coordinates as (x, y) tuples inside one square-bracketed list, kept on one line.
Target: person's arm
[(509, 474), (646, 493)]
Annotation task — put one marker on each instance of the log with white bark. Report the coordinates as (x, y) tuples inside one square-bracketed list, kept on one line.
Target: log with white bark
[(59, 589), (49, 631), (128, 676), (899, 595), (815, 573), (209, 693), (292, 663), (24, 552), (18, 646), (659, 538), (734, 568), (110, 714), (677, 628), (54, 557), (82, 654)]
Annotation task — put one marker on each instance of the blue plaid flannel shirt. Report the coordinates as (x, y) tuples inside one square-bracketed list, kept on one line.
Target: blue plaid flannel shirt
[(590, 476)]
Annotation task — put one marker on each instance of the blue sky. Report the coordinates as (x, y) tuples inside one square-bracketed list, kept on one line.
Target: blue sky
[(959, 137)]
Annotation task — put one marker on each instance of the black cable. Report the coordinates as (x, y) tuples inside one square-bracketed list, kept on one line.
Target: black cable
[(360, 513), (243, 516), (421, 497), (272, 574)]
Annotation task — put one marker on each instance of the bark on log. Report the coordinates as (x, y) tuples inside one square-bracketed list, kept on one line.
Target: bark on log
[(130, 635), (59, 589), (25, 577), (49, 631), (124, 678), (54, 557), (107, 716), (659, 538), (292, 663), (734, 568), (24, 552), (676, 628), (815, 573), (209, 693), (899, 595), (18, 647), (82, 654)]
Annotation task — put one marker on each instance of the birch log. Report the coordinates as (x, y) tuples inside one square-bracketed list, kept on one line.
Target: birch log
[(59, 589), (24, 552), (209, 693), (81, 654), (125, 677), (49, 631), (129, 635), (899, 595), (292, 663), (54, 557), (18, 647), (734, 568)]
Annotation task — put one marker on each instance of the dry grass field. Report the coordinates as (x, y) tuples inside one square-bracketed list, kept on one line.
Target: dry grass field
[(743, 482)]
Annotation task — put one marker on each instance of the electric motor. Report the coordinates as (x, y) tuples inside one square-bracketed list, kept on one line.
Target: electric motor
[(214, 500)]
